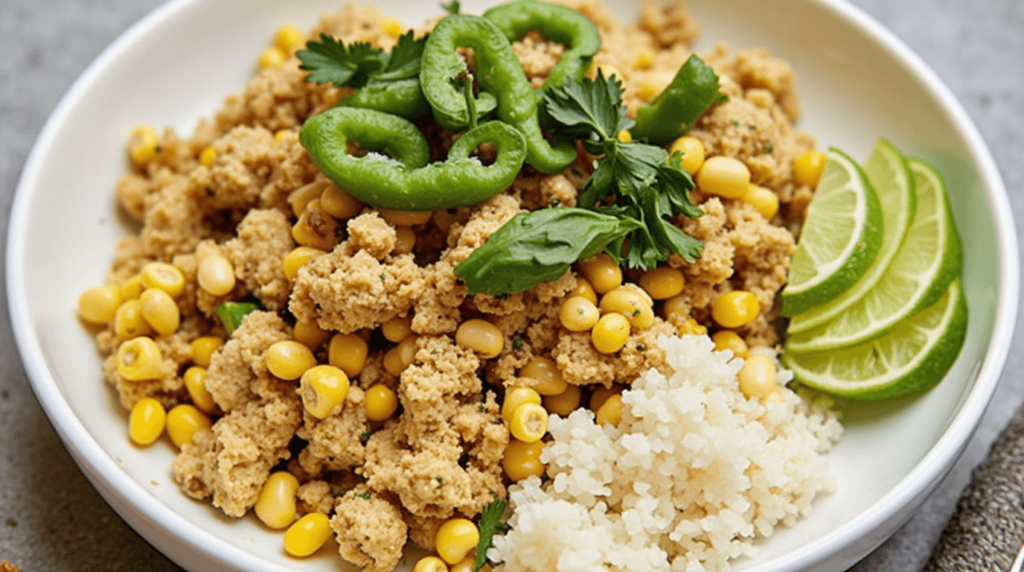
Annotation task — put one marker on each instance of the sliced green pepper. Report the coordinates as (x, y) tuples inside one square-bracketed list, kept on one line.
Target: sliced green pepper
[(404, 180), (556, 23), (675, 110), (403, 98), (231, 314), (443, 74)]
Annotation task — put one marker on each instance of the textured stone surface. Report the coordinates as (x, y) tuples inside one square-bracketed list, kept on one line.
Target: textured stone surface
[(50, 516)]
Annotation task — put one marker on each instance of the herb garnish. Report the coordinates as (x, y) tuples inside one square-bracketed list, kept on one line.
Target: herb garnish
[(490, 524), (359, 64), (452, 7), (625, 208)]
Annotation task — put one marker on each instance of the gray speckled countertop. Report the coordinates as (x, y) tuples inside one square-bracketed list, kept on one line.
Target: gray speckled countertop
[(50, 516)]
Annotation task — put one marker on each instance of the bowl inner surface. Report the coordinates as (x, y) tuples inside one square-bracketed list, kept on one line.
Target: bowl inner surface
[(854, 90)]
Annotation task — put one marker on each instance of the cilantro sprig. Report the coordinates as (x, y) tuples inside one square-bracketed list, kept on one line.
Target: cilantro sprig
[(636, 191), (359, 64), (489, 525)]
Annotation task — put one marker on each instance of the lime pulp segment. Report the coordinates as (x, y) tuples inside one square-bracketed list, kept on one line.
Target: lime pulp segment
[(889, 174), (839, 239), (928, 260), (915, 356)]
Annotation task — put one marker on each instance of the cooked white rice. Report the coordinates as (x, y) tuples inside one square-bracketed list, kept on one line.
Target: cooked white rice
[(693, 474)]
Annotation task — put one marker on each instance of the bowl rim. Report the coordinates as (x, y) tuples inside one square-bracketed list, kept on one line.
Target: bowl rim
[(121, 491)]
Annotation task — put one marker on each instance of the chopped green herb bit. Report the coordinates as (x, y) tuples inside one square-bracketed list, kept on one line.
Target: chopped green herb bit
[(768, 147), (231, 314), (452, 7), (365, 495), (490, 524)]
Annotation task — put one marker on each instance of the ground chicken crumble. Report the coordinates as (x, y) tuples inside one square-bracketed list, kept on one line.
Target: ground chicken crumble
[(384, 483)]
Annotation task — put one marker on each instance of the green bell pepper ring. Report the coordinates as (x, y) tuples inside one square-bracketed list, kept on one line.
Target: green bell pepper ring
[(442, 76), (556, 23), (675, 110), (405, 180), (403, 98)]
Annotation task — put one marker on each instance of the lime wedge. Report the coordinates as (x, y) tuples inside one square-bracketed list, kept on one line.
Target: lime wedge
[(927, 261), (913, 357), (890, 176), (839, 239)]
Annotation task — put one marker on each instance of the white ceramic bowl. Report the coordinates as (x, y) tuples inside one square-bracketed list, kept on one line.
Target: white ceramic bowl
[(858, 83)]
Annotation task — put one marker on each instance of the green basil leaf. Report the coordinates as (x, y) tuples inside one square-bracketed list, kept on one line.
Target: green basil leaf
[(538, 246)]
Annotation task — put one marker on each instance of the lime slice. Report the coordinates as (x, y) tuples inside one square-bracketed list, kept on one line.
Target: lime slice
[(890, 176), (839, 239), (912, 358), (928, 260)]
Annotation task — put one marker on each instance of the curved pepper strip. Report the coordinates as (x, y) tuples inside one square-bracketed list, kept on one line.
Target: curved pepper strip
[(499, 72), (403, 98), (675, 110), (405, 181), (556, 23)]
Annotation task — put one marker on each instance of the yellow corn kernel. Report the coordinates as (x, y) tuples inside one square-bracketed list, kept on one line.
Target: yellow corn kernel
[(132, 289), (163, 276), (624, 136), (405, 218), (482, 337), (610, 412), (692, 151), (692, 328), (391, 27), (735, 309), (456, 538), (297, 259), (203, 349), (514, 398), (405, 240), (396, 329), (466, 565), (272, 57), (146, 421), (143, 144), (128, 321), (347, 352), (401, 356), (195, 383), (288, 359), (160, 311), (339, 204), (730, 340), (807, 168), (275, 505), (302, 196), (380, 402), (564, 403), (315, 227), (289, 38), (644, 60), (430, 564), (307, 535), (99, 304), (601, 394), (763, 200), (757, 378), (723, 176), (280, 135), (631, 304), (139, 358), (529, 422), (584, 288), (602, 273), (776, 396), (310, 334), (183, 422), (522, 460), (663, 282), (216, 275), (578, 314), (610, 333), (678, 306), (545, 372), (208, 156), (647, 91), (323, 389)]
